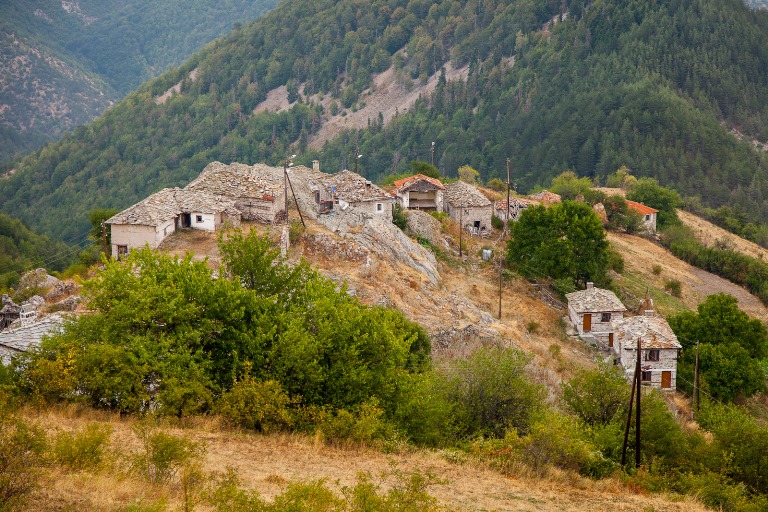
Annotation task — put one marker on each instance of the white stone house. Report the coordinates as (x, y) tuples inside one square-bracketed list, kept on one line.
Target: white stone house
[(468, 206), (258, 191), (420, 192), (659, 348), (649, 214), (593, 312), (150, 221)]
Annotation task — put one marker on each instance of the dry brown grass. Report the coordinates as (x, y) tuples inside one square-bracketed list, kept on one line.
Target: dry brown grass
[(267, 464), (709, 235)]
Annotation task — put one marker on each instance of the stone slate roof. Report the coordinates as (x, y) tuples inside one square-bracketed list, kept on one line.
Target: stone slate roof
[(594, 300), (353, 188), (25, 338), (514, 202), (169, 203), (653, 331), (459, 194), (239, 181), (405, 183), (546, 197)]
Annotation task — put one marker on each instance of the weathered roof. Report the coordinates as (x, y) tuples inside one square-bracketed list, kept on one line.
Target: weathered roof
[(653, 332), (514, 202), (27, 337), (412, 180), (594, 300), (546, 197), (460, 194), (152, 211), (170, 202), (353, 188), (640, 207), (240, 181)]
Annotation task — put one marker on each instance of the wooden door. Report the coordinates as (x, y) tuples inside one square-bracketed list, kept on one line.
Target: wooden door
[(587, 325), (610, 340), (666, 380)]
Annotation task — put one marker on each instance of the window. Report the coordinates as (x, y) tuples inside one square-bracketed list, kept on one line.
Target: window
[(646, 376), (648, 217), (653, 355), (605, 317), (122, 250), (379, 207), (198, 218)]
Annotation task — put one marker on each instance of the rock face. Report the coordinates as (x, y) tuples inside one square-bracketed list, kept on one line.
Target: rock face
[(37, 279), (425, 226)]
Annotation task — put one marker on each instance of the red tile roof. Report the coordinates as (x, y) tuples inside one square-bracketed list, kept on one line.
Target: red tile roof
[(407, 182), (639, 207)]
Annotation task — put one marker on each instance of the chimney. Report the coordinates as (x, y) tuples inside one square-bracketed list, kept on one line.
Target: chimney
[(316, 165), (590, 285)]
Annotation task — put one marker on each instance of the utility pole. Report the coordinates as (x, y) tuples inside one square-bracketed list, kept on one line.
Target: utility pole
[(461, 228), (357, 156), (295, 201), (629, 420), (287, 162), (695, 409), (506, 224), (503, 238), (432, 152), (104, 238), (638, 374)]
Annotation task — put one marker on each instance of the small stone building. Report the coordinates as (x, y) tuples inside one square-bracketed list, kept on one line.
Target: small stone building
[(659, 348), (468, 206), (649, 214), (420, 192), (517, 205), (150, 221), (349, 188), (22, 339), (593, 311)]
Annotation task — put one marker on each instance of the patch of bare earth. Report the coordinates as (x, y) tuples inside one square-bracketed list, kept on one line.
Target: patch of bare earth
[(267, 464), (641, 255)]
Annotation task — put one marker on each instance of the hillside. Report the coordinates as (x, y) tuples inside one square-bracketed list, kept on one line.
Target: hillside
[(63, 63), (268, 464), (657, 86)]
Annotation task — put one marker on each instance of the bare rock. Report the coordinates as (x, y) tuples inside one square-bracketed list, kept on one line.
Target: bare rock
[(60, 290), (425, 226), (37, 280)]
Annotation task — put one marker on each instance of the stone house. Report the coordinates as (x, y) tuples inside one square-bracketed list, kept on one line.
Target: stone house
[(516, 206), (649, 214), (420, 192), (593, 311), (467, 206), (150, 221), (258, 191), (659, 348), (27, 337), (349, 188)]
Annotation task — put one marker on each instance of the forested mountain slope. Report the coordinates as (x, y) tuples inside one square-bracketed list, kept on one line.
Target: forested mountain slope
[(63, 62), (552, 85)]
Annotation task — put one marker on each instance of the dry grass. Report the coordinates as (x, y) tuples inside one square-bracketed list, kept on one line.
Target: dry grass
[(267, 464), (709, 235)]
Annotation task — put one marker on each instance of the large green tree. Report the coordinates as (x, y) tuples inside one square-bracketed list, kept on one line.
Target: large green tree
[(564, 241), (731, 346)]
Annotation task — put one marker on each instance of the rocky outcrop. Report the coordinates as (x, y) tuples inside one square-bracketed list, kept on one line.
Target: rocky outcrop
[(426, 226), (36, 281)]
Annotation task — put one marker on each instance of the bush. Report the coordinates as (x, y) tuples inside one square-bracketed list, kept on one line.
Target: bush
[(674, 286), (365, 424), (295, 231), (21, 458), (399, 218), (261, 406), (162, 455), (656, 269), (497, 223), (84, 450)]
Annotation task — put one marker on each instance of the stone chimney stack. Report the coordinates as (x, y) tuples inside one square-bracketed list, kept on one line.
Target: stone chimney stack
[(590, 285), (316, 165)]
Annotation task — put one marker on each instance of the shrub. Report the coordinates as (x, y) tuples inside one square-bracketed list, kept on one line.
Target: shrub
[(21, 457), (295, 231), (656, 269), (83, 450), (399, 218), (497, 223), (556, 440), (162, 455), (674, 286), (596, 396), (365, 424), (262, 406), (532, 327), (441, 216)]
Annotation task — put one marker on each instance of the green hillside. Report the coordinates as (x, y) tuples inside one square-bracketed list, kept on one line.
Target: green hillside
[(653, 85), (63, 63)]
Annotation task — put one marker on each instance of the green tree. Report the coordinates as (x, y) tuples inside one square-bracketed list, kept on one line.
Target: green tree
[(564, 241), (426, 169), (568, 185), (731, 348), (597, 396), (468, 175)]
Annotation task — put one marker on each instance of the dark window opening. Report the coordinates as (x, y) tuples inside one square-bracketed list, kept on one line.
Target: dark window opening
[(605, 317), (653, 355), (646, 376), (198, 218)]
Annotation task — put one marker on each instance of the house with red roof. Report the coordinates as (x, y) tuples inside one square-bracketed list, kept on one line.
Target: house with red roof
[(648, 213), (420, 192)]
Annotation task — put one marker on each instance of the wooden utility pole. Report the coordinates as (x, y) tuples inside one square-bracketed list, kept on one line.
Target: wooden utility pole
[(629, 421), (695, 409), (503, 239), (461, 228), (295, 201), (432, 153), (104, 238), (638, 373), (506, 224)]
